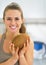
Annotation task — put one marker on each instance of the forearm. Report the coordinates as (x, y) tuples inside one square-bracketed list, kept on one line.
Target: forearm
[(29, 54), (29, 58), (22, 60), (10, 61)]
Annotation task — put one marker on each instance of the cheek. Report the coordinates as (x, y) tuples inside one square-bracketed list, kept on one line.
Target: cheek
[(7, 24), (20, 24)]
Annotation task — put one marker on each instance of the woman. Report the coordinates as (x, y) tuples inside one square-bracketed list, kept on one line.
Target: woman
[(13, 19)]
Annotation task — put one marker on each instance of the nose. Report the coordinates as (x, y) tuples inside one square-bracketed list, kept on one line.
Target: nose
[(13, 22)]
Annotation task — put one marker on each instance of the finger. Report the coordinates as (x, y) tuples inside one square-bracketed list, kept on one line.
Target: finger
[(27, 42), (24, 46), (10, 45), (23, 49), (13, 47), (10, 49), (17, 49)]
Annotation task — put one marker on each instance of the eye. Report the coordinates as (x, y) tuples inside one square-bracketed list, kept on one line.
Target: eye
[(16, 18), (8, 18)]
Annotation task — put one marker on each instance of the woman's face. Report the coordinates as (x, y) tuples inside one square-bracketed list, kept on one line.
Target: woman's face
[(13, 20)]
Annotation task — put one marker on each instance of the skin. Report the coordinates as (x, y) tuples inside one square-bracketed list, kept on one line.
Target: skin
[(13, 23), (13, 18)]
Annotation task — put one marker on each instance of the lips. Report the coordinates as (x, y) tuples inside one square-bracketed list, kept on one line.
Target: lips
[(13, 27)]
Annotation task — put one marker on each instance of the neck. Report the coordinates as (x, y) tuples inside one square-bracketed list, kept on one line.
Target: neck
[(10, 35)]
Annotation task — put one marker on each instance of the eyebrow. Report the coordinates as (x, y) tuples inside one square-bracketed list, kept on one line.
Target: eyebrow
[(14, 17), (8, 17), (17, 18)]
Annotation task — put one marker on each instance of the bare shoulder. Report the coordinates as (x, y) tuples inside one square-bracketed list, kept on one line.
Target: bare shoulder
[(0, 36), (30, 39), (31, 42)]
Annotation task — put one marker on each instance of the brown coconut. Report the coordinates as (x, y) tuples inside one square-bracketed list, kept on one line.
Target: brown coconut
[(19, 40)]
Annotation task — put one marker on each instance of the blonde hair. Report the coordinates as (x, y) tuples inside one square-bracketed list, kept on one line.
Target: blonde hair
[(15, 6)]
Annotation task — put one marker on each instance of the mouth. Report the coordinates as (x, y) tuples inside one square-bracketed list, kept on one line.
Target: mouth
[(13, 27)]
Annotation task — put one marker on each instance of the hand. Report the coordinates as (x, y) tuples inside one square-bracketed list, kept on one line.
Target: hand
[(23, 50), (30, 45), (14, 51), (29, 52)]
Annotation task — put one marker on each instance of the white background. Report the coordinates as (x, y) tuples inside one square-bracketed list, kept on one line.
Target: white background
[(31, 8)]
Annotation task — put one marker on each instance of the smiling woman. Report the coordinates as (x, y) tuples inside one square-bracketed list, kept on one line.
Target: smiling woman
[(13, 20)]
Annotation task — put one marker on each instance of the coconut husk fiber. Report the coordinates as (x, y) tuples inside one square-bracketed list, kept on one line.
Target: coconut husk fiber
[(19, 40)]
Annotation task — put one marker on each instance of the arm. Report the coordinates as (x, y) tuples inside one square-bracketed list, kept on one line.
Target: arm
[(26, 54), (29, 52), (14, 57), (11, 61), (22, 59)]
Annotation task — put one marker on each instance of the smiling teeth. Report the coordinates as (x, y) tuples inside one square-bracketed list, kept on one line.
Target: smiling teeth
[(13, 27)]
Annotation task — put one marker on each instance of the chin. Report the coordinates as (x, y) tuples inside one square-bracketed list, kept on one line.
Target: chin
[(13, 31)]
